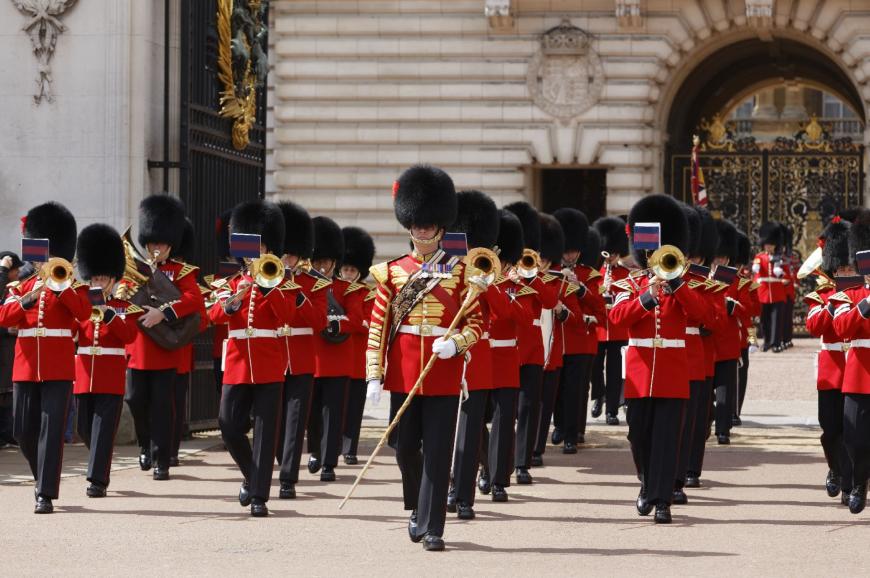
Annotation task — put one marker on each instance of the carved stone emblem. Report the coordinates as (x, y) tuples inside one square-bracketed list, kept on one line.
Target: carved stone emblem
[(565, 76)]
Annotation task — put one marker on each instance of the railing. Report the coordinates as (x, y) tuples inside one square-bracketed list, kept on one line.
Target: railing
[(837, 127)]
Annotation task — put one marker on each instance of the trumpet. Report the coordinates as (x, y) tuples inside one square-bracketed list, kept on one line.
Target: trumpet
[(485, 265), (529, 264), (666, 263)]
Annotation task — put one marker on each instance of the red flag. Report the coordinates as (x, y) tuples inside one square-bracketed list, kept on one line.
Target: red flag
[(699, 189)]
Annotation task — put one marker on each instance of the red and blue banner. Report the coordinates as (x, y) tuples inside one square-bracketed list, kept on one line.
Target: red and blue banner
[(862, 262), (725, 274), (244, 246), (227, 269), (455, 244), (35, 250), (647, 236)]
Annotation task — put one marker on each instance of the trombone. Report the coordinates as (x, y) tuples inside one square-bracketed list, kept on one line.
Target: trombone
[(56, 274), (666, 263), (529, 263), (267, 271)]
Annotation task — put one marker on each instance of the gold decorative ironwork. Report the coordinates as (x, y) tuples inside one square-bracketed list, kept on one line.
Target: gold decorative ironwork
[(718, 135)]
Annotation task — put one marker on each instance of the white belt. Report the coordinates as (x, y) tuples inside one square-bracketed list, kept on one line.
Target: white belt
[(425, 331), (837, 346), (859, 343), (693, 331), (485, 335), (295, 331), (771, 279), (536, 322), (252, 333), (43, 332), (101, 351), (657, 343), (502, 342)]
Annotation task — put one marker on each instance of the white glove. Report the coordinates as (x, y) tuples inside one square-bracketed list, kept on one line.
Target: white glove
[(373, 391), (778, 271), (756, 268), (753, 349), (444, 348)]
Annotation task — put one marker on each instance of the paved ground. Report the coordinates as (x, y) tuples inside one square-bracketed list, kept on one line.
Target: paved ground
[(762, 510)]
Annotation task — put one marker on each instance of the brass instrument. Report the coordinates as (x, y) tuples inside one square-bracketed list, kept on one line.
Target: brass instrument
[(484, 263), (666, 263), (529, 264), (813, 266), (267, 271), (57, 273)]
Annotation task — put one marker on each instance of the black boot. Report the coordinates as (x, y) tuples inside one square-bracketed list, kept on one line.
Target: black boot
[(287, 491), (597, 407), (483, 483), (328, 474), (433, 543), (523, 476), (259, 509), (680, 497), (643, 506), (144, 459), (412, 527), (612, 419), (43, 505), (464, 511), (557, 437), (244, 495), (499, 494), (96, 490), (537, 461), (313, 464), (858, 498), (663, 514), (569, 448), (451, 500), (693, 480)]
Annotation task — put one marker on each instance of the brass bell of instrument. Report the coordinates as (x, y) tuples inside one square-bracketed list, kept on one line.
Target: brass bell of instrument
[(267, 271), (57, 274), (529, 263), (484, 263), (667, 262)]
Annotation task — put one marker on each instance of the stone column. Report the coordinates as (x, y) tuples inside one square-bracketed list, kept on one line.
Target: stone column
[(765, 107), (794, 108)]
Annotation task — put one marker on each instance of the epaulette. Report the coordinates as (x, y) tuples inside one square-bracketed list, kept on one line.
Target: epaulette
[(841, 297), (526, 290), (823, 283), (625, 285), (754, 286), (209, 279), (814, 297), (720, 287), (695, 283), (593, 274), (501, 279), (381, 271), (743, 283), (186, 269), (353, 287), (13, 284), (204, 290), (289, 285), (571, 288), (548, 277), (133, 309), (78, 284), (373, 293)]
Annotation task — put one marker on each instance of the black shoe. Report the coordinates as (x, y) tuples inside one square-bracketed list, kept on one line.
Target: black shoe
[(777, 349), (663, 514), (328, 474), (581, 438), (464, 511), (173, 462), (483, 483), (736, 421), (537, 461), (499, 494), (145, 460), (612, 419), (245, 495), (523, 476), (597, 407), (844, 497), (313, 464), (557, 436), (569, 448), (350, 460), (96, 490), (43, 505), (412, 527), (643, 506), (160, 474), (765, 349), (433, 543), (832, 484), (451, 500), (287, 491), (259, 509), (692, 481), (680, 497), (723, 439), (858, 498)]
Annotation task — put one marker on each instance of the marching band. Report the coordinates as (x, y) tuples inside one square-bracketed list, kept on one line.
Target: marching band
[(494, 322)]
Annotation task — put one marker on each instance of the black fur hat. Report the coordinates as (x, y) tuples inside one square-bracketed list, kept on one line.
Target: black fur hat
[(666, 211), (693, 219), (328, 239), (186, 252), (510, 237), (222, 234), (100, 252), (54, 222), (727, 240), (552, 239), (424, 195), (528, 216), (787, 238), (612, 233), (161, 220), (477, 218), (299, 232), (575, 225), (359, 250), (744, 250), (262, 218), (859, 234), (590, 255), (770, 233), (709, 242), (835, 250)]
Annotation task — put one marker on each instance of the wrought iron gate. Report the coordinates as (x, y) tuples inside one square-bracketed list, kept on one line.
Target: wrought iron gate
[(801, 181)]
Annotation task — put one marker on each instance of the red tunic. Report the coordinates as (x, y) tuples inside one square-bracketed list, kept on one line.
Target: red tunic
[(618, 272), (851, 325), (336, 359), (478, 359), (727, 337), (508, 316), (831, 359), (581, 335), (106, 371), (310, 319), (568, 296), (360, 339), (771, 287), (695, 348), (537, 294)]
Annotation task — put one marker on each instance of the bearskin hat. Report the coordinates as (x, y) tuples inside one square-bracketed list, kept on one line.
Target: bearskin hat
[(709, 242), (359, 249), (424, 195), (328, 239), (100, 252), (590, 254), (552, 239), (744, 250), (727, 240), (666, 211), (161, 220), (299, 232), (222, 234), (859, 234), (787, 238), (510, 237), (835, 246), (186, 251), (849, 214), (528, 216), (575, 225), (611, 230), (258, 217), (477, 217), (770, 233), (693, 219), (54, 222)]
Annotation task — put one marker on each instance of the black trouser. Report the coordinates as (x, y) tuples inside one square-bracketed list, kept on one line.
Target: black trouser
[(788, 320), (856, 435), (467, 453), (549, 389), (502, 438), (217, 364), (831, 422), (607, 371), (150, 397), (238, 403), (701, 430), (326, 421), (182, 384), (356, 402), (574, 395), (771, 323), (694, 411), (725, 380), (39, 413), (742, 379), (98, 418), (528, 413), (6, 417), (424, 441), (297, 405), (654, 428)]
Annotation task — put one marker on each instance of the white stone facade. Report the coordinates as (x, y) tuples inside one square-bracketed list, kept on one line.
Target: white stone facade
[(362, 89)]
